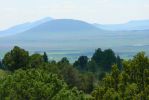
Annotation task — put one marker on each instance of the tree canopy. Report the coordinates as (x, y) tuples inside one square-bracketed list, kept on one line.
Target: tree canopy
[(16, 58), (129, 84), (36, 85), (104, 76)]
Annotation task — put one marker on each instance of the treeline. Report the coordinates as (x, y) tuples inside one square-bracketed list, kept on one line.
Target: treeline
[(132, 83), (104, 76)]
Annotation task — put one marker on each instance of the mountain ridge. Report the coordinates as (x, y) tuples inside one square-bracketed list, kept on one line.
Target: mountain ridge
[(131, 25), (60, 25), (23, 27)]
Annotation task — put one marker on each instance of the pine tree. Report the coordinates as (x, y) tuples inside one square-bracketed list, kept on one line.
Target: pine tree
[(45, 57)]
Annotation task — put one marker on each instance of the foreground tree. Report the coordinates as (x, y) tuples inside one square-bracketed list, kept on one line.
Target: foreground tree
[(44, 80), (16, 58), (45, 57), (105, 59), (81, 63), (109, 59), (132, 83), (98, 57), (64, 61), (1, 65), (36, 84), (36, 60)]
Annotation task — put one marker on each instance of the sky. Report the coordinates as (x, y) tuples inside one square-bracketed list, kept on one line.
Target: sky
[(13, 12)]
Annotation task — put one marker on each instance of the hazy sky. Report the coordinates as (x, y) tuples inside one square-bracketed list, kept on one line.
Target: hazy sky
[(13, 12)]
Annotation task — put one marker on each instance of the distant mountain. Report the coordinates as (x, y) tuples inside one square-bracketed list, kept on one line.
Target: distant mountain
[(68, 34), (23, 27), (72, 34), (63, 25), (132, 25), (58, 28), (55, 33), (50, 26)]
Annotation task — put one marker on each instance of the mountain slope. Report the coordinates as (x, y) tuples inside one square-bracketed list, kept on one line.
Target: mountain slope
[(132, 25), (57, 29), (23, 27), (68, 34), (53, 31), (63, 25)]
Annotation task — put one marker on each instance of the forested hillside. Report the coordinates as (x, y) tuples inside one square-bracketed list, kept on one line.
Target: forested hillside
[(104, 76)]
